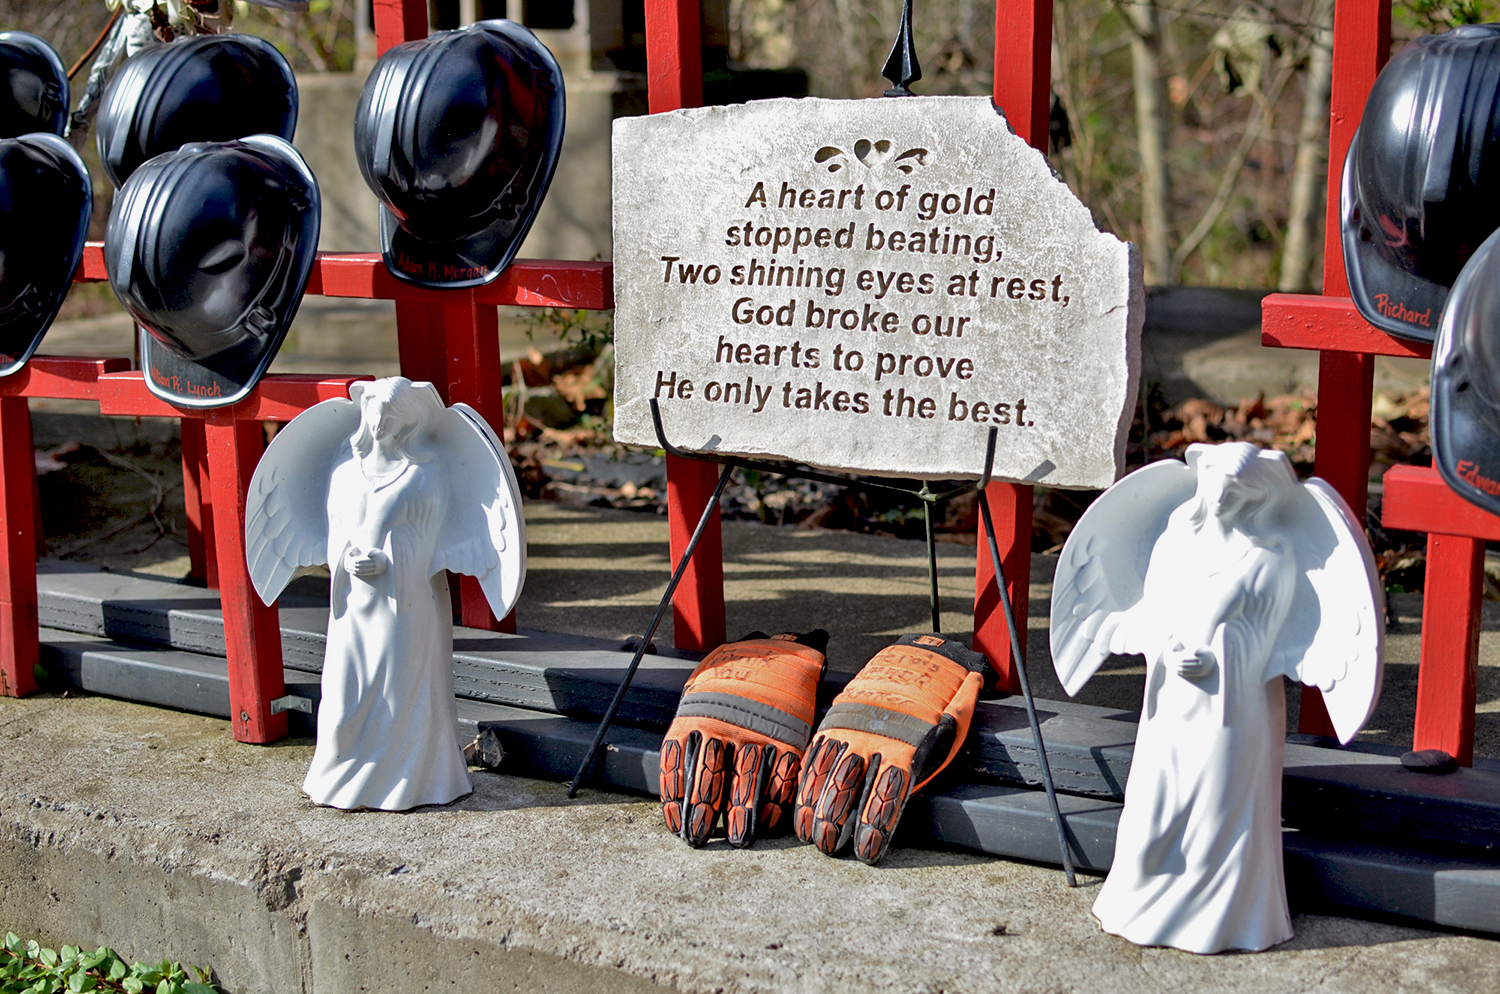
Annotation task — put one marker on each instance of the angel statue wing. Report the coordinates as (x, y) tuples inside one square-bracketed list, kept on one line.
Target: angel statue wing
[(485, 533), (286, 509), (482, 533), (1333, 639), (1101, 572)]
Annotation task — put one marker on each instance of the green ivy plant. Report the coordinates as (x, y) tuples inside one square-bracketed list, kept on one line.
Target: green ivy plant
[(29, 968)]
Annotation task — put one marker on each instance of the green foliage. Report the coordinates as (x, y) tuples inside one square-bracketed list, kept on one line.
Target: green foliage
[(1433, 16), (589, 331), (29, 968)]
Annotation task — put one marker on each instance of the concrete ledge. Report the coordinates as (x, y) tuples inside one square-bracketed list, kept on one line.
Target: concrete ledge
[(156, 833)]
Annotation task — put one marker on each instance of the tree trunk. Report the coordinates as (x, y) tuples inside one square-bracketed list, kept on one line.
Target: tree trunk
[(1310, 168), (1151, 137)]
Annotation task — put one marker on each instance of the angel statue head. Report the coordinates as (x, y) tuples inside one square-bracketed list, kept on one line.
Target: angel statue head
[(1238, 484), (395, 414)]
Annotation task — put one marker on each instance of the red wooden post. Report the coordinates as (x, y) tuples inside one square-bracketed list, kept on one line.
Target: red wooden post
[(471, 343), (1023, 91), (419, 341), (202, 557), (397, 21), (252, 630), (674, 55), (1417, 499), (1448, 678), (698, 605), (1010, 506), (1023, 67), (18, 621), (674, 76), (1361, 45)]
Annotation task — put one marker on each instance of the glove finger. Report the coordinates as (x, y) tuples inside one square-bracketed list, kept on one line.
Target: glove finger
[(832, 821), (672, 784), (743, 812), (780, 790), (880, 813), (705, 794), (815, 770)]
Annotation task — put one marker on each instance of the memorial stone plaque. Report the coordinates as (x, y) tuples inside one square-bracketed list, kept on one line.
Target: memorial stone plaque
[(869, 285)]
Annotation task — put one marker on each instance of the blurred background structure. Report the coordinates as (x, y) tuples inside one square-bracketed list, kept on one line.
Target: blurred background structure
[(1195, 128)]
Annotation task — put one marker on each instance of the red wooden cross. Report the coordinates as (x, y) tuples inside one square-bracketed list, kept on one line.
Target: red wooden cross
[(1023, 65), (447, 337), (1414, 499)]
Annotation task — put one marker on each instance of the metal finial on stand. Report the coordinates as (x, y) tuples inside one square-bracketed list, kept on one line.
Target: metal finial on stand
[(902, 68)]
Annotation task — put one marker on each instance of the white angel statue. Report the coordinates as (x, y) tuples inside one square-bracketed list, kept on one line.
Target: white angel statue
[(391, 490), (1227, 575)]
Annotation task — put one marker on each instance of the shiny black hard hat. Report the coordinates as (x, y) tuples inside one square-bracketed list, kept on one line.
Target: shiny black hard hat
[(213, 88), (1420, 183), (34, 96), (210, 248), (45, 203), (1466, 382), (458, 135)]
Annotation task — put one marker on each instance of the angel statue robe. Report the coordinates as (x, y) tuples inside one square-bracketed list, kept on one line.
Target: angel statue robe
[(1198, 862), (388, 721)]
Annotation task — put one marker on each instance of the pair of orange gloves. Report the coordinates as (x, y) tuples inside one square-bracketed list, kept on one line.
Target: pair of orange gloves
[(739, 744)]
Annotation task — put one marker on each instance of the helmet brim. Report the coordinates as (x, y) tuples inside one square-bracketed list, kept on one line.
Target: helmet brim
[(1391, 298), (229, 375)]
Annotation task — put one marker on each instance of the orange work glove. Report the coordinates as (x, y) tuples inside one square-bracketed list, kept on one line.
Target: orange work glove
[(895, 726), (748, 708)]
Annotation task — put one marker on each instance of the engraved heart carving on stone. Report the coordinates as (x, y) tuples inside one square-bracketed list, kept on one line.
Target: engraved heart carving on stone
[(871, 154)]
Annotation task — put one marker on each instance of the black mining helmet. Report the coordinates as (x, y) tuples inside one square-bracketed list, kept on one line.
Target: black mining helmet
[(45, 203), (1421, 186), (210, 248), (34, 96), (213, 88), (1466, 382), (458, 135)]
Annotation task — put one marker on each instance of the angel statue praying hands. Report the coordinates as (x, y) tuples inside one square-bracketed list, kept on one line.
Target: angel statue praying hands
[(391, 490), (1227, 575)]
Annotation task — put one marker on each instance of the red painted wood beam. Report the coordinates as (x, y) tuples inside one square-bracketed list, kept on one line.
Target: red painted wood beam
[(397, 21), (470, 334), (277, 398), (66, 377), (1361, 45), (674, 79), (1417, 500), (674, 55), (525, 283), (252, 629), (1023, 90), (1010, 507), (18, 618), (1448, 677), (1332, 324), (203, 563), (1023, 67), (698, 623), (91, 269)]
